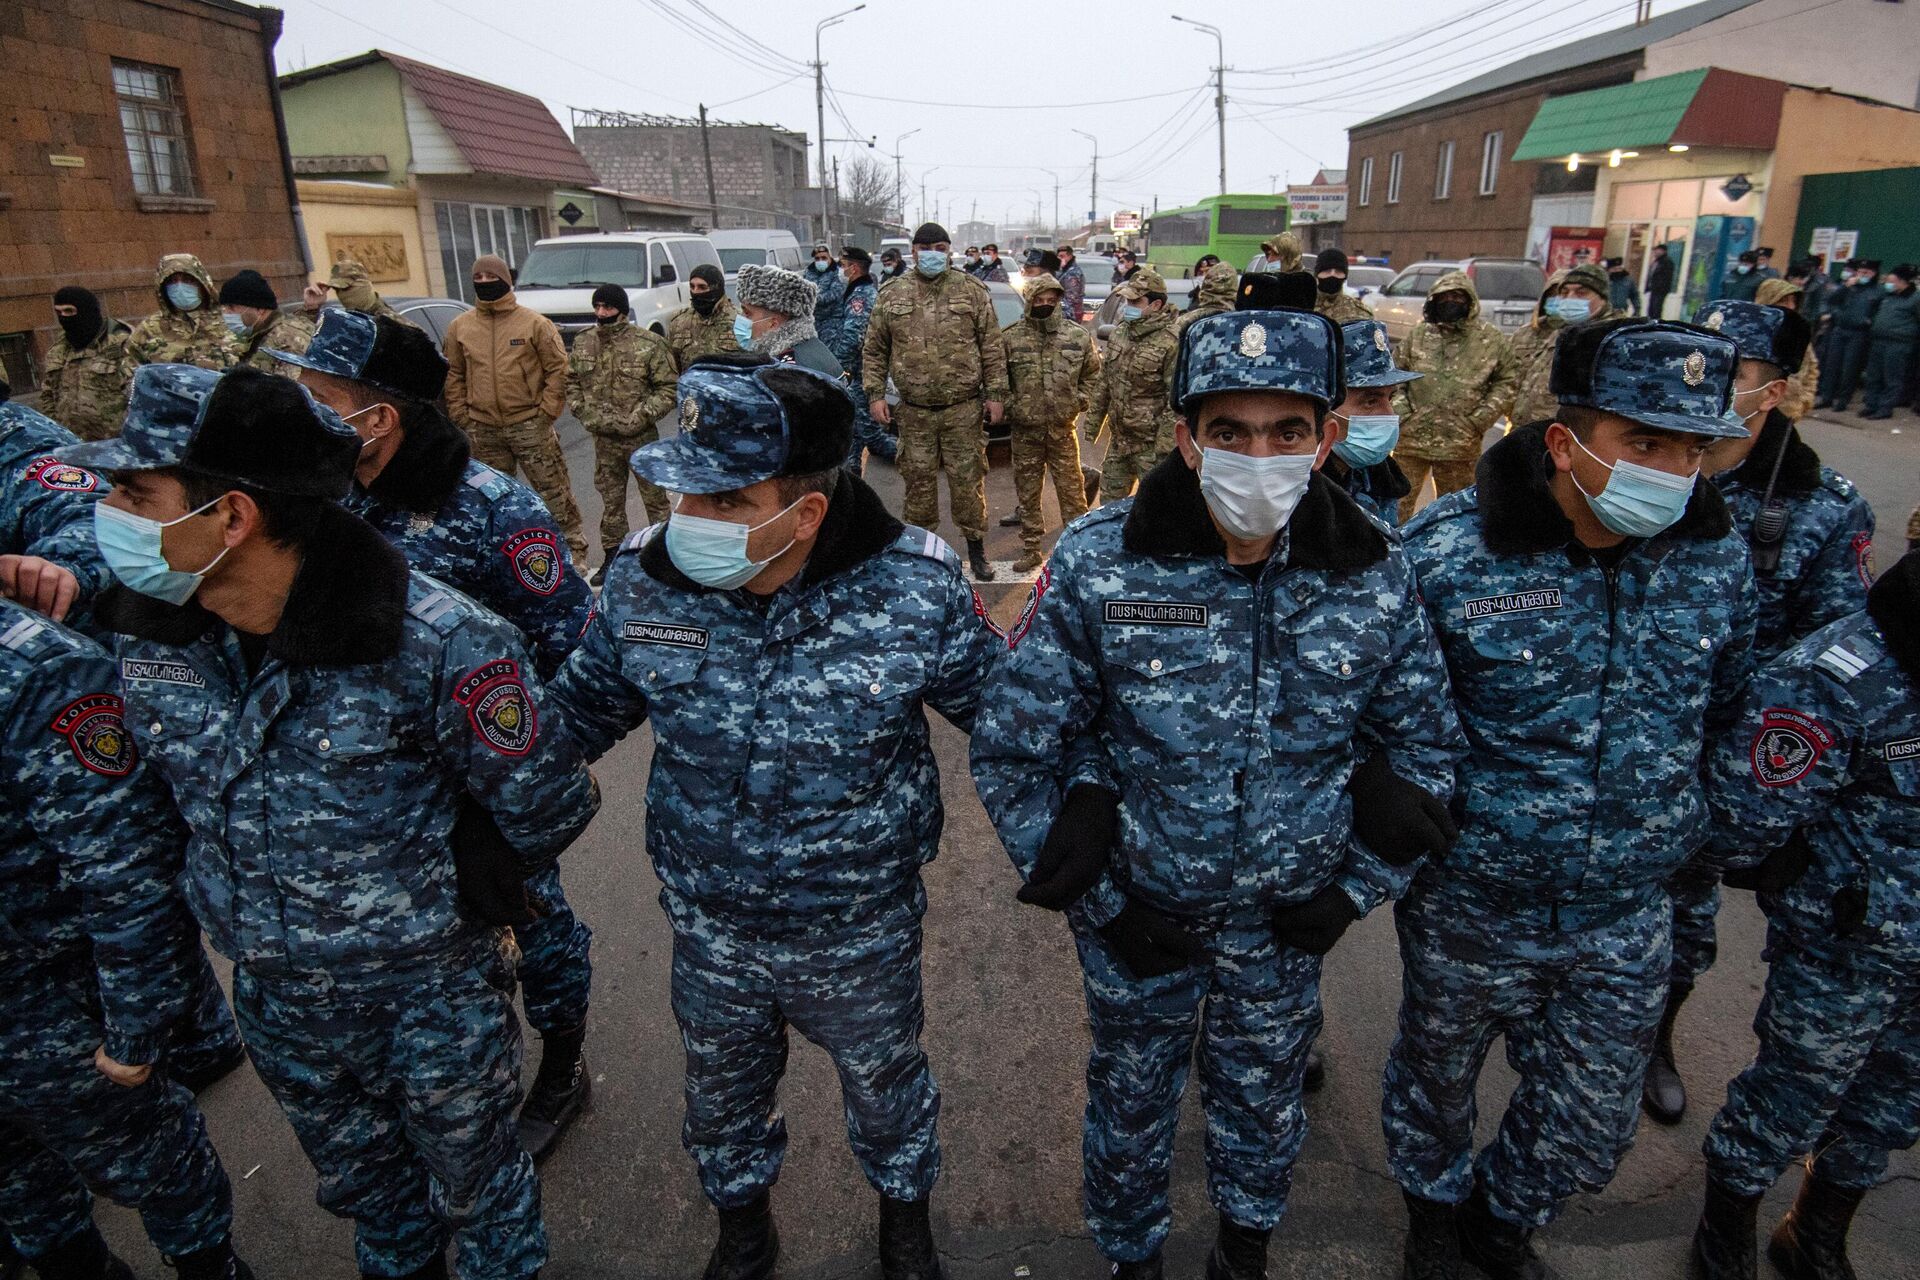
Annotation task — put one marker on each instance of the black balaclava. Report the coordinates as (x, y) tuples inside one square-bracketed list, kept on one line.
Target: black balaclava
[(86, 322), (716, 289)]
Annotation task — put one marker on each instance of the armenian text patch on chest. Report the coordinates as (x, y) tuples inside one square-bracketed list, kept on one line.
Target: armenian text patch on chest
[(664, 633), (1905, 749), (1535, 601), (161, 671), (1155, 613)]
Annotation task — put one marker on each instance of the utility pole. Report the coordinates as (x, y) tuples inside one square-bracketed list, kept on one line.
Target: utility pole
[(838, 207), (820, 104), (1093, 200), (899, 175), (1219, 89), (706, 149)]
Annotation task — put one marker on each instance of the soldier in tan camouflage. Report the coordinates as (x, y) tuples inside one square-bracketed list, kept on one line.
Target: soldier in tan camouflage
[(1131, 396), (935, 334), (705, 326), (354, 290), (263, 328), (620, 383), (1803, 388), (1214, 295), (1573, 296), (89, 370), (1052, 370), (1331, 298), (187, 329), (1444, 415)]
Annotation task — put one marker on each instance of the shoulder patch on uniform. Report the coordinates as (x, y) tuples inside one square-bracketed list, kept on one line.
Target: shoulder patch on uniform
[(497, 706), (857, 306), (1863, 558), (535, 557), (434, 607), (920, 542), (490, 482), (1787, 747), (61, 477), (98, 736), (1018, 630), (1841, 662)]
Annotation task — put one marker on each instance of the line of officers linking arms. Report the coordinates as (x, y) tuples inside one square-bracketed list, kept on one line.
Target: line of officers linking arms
[(1237, 713)]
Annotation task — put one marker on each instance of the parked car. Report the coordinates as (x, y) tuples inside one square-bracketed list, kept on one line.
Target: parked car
[(1509, 290), (769, 248), (560, 274), (432, 314), (1362, 281)]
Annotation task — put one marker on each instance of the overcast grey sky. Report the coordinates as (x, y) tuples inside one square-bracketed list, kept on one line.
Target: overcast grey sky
[(994, 87)]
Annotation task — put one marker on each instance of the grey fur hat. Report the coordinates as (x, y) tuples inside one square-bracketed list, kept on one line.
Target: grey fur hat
[(776, 289)]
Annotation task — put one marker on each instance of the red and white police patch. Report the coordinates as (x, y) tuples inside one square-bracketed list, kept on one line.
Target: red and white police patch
[(1863, 558), (93, 728), (1787, 747), (496, 701), (62, 477), (1040, 584), (535, 557), (857, 306), (980, 612)]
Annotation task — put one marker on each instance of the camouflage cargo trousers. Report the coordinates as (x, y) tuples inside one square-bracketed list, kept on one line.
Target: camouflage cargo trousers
[(1837, 1074), (1038, 452), (1254, 1008), (403, 1096), (1696, 901), (64, 1126), (206, 1034), (1128, 460), (1450, 475), (1577, 992), (534, 448), (953, 440), (556, 959), (851, 985), (612, 472)]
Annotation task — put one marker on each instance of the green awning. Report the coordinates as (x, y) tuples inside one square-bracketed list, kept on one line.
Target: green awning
[(1646, 113)]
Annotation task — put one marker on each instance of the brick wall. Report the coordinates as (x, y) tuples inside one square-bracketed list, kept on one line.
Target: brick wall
[(754, 168), (84, 225)]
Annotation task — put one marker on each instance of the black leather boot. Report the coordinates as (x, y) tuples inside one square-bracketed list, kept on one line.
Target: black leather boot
[(749, 1243), (560, 1091), (1145, 1269), (1664, 1093), (435, 1270), (1723, 1247), (198, 1072), (1314, 1078), (977, 560), (1432, 1250), (1502, 1249), (907, 1250), (1239, 1253), (1811, 1241), (84, 1257), (217, 1263)]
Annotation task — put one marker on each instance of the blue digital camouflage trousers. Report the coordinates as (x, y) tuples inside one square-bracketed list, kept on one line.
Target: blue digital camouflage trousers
[(556, 963), (205, 1034), (869, 437), (1578, 995), (851, 985), (403, 1096), (1696, 901), (1837, 1073), (65, 1127), (1254, 1008)]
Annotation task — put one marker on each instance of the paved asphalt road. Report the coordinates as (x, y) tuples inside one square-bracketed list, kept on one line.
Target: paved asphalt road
[(1007, 1037)]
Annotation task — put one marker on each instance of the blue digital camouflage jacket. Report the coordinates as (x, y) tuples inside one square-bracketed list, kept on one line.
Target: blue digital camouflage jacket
[(856, 313), (792, 773), (1228, 715), (46, 506), (321, 791), (1586, 693), (91, 848)]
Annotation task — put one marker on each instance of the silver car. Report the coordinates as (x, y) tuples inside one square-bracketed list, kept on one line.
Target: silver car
[(1509, 290)]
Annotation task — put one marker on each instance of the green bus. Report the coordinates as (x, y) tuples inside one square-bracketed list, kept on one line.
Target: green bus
[(1230, 227)]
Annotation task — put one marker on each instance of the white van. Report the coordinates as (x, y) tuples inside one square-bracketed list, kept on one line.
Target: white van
[(560, 274), (753, 247)]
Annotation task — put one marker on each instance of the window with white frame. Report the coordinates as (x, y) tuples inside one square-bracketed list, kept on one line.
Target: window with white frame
[(469, 230), (1443, 172), (153, 119), (1490, 162), (1366, 181), (1394, 165)]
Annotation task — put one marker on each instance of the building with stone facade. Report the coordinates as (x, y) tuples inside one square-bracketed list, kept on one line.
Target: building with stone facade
[(757, 168)]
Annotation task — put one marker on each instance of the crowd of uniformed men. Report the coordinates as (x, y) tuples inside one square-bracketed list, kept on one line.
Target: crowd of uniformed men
[(297, 664)]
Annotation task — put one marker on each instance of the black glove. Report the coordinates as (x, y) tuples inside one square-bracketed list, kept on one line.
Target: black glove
[(1149, 944), (1315, 925), (1397, 819), (1849, 909), (491, 877), (1778, 871), (1078, 846)]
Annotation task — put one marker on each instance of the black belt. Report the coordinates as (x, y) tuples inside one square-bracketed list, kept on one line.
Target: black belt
[(914, 404)]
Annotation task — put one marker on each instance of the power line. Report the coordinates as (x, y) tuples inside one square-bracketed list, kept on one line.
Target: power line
[(1024, 106), (1399, 40)]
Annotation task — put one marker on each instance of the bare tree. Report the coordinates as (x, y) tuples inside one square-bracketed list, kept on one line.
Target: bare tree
[(866, 192)]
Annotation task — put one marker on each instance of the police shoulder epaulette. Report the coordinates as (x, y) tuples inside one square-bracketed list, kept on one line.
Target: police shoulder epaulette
[(439, 608), (27, 636), (1833, 480), (640, 538), (490, 482), (1845, 659), (920, 542)]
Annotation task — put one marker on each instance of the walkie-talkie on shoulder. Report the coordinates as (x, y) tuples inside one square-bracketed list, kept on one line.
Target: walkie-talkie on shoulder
[(1770, 525)]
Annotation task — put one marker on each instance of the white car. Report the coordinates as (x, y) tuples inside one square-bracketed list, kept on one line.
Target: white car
[(560, 274), (769, 248)]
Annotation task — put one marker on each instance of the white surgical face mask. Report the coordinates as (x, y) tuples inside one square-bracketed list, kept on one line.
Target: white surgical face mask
[(1252, 498), (714, 552)]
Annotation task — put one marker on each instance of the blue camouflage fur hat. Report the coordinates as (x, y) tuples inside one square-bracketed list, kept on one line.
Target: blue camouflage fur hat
[(748, 419), (1369, 356), (1296, 351), (1671, 376), (377, 350), (1774, 334)]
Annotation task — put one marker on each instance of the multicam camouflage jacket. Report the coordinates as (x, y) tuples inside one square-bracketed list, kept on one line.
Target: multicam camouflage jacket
[(1465, 387), (620, 379), (86, 391), (938, 339)]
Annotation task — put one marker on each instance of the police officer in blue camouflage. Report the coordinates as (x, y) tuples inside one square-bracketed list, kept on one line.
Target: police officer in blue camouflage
[(1811, 535), (1821, 774), (47, 558), (1203, 674), (782, 633), (370, 772), (857, 297), (829, 302), (486, 533), (1362, 460), (1595, 607), (99, 953)]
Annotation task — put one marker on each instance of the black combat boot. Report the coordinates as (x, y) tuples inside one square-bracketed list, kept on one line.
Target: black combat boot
[(1432, 1250), (1314, 1078), (560, 1091), (1664, 1093), (11, 1263), (1723, 1247), (435, 1270), (1145, 1269), (1011, 522), (749, 1243), (1811, 1241), (977, 560), (218, 1262), (84, 1257), (1239, 1253), (198, 1072), (907, 1250), (1502, 1249)]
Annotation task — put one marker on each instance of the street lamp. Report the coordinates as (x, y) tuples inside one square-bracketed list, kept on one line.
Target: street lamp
[(1219, 91), (899, 201), (820, 101), (1093, 200)]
